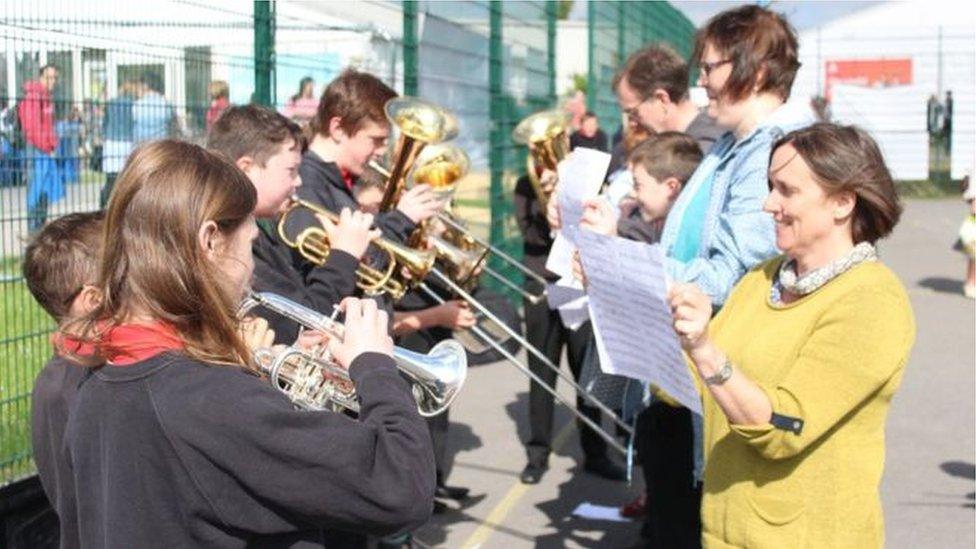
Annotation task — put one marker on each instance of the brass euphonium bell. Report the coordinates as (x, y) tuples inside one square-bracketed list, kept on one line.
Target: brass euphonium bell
[(420, 123), (546, 134), (441, 166), (312, 379), (313, 244)]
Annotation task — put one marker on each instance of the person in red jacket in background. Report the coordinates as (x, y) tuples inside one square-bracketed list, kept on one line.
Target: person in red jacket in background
[(36, 113)]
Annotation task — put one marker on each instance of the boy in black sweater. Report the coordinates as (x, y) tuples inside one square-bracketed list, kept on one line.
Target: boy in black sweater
[(268, 148), (60, 268)]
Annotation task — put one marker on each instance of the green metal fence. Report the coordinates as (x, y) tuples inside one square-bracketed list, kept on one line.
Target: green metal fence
[(129, 72)]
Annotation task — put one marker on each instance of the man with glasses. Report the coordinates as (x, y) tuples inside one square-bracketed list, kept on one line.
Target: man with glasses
[(652, 91)]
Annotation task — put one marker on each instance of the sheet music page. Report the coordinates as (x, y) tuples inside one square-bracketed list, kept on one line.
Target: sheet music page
[(628, 305), (580, 176)]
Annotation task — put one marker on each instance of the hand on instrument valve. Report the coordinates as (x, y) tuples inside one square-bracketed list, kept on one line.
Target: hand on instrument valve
[(599, 217), (256, 333), (548, 181), (352, 234), (692, 311), (366, 331), (455, 314), (419, 203)]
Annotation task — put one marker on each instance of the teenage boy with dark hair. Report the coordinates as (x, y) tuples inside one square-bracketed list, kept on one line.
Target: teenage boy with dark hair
[(267, 147)]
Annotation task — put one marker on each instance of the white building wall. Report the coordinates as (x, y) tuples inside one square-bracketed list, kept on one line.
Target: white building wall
[(896, 116)]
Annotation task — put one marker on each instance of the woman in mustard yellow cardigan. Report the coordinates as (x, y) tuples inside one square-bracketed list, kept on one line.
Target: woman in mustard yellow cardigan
[(799, 367)]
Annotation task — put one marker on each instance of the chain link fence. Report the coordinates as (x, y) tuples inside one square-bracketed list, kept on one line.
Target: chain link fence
[(82, 83)]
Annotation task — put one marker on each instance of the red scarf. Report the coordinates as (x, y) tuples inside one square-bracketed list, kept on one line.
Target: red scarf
[(125, 344)]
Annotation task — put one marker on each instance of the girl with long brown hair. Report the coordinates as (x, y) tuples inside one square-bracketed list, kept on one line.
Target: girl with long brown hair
[(176, 440)]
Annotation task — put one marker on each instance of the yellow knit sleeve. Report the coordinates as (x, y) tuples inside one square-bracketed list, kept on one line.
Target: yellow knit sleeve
[(857, 345)]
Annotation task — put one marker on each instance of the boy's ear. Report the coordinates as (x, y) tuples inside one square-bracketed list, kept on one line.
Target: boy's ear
[(335, 128), (244, 163), (673, 185), (89, 299)]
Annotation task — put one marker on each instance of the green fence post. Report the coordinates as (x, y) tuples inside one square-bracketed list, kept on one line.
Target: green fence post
[(591, 78), (498, 115), (621, 32), (410, 66), (263, 52), (551, 48)]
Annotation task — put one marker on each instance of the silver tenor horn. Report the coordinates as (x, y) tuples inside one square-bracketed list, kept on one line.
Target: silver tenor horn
[(313, 380)]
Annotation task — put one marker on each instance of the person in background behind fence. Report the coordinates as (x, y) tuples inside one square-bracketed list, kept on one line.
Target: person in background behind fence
[(36, 114), (152, 114), (118, 130), (303, 105), (219, 101), (589, 135)]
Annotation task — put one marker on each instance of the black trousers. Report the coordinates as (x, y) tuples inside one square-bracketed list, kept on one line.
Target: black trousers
[(422, 342), (545, 331), (665, 449)]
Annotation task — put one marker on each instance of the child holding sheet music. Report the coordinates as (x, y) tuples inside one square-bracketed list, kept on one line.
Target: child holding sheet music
[(660, 167)]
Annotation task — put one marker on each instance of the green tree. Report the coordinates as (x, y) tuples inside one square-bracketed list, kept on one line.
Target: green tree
[(563, 9)]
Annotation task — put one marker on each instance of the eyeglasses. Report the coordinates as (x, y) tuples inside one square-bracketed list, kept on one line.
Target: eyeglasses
[(707, 68), (631, 113)]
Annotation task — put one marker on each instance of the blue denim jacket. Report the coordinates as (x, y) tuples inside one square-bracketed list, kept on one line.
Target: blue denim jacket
[(736, 234)]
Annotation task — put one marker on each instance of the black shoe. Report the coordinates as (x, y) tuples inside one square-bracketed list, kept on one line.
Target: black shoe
[(532, 474), (456, 493), (606, 469), (439, 507)]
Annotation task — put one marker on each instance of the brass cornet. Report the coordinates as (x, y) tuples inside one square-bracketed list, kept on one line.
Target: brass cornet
[(313, 244), (313, 380), (547, 137)]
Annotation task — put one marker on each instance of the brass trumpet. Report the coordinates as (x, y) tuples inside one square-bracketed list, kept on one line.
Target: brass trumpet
[(547, 137), (313, 244), (313, 380)]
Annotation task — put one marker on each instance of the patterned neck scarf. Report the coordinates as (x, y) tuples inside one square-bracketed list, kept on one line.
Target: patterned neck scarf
[(787, 279)]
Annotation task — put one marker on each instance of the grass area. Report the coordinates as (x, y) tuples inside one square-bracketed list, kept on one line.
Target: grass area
[(23, 350), (938, 188)]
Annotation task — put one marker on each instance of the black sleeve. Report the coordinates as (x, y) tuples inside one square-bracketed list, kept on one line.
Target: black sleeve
[(264, 466), (336, 279), (531, 220), (395, 225)]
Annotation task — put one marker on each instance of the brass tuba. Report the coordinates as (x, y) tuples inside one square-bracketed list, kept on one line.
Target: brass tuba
[(313, 380), (420, 123), (313, 244), (547, 137)]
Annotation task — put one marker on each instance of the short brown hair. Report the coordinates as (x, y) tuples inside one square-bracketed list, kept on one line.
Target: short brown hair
[(668, 154), (847, 159), (62, 258), (252, 130), (754, 39), (355, 98), (655, 67)]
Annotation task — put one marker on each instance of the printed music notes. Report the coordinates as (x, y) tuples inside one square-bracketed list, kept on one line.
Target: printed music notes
[(631, 318)]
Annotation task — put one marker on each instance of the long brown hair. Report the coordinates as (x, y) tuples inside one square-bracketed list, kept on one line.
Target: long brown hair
[(152, 261)]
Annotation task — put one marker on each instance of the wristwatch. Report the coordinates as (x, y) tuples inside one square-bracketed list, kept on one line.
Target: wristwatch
[(721, 376)]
